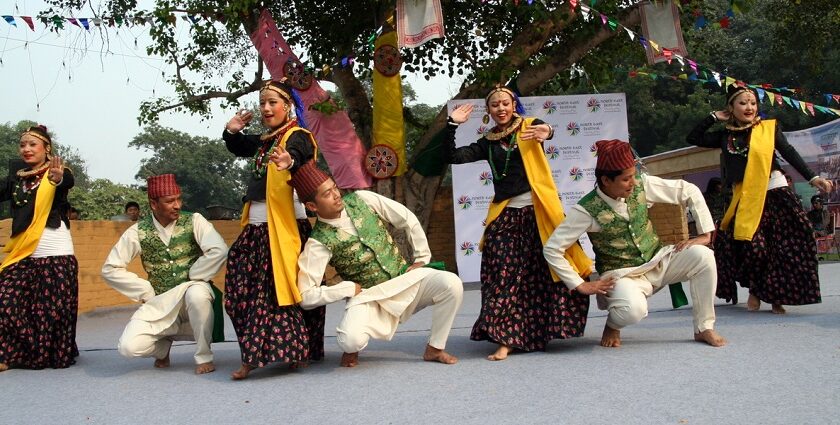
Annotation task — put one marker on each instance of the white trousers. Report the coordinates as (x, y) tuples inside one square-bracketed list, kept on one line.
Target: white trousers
[(627, 302), (361, 322), (194, 322)]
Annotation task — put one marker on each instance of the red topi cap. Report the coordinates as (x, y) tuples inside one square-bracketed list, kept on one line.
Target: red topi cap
[(162, 185), (307, 179), (614, 155)]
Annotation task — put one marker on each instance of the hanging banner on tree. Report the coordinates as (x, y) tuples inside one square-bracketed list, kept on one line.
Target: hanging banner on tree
[(335, 134), (388, 125), (418, 21), (579, 121), (661, 22)]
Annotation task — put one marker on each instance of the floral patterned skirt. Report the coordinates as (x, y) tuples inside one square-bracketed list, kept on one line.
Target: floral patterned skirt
[(779, 265), (39, 299), (267, 333), (521, 306)]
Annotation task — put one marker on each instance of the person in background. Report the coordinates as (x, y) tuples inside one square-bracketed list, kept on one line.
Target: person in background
[(132, 210), (821, 220)]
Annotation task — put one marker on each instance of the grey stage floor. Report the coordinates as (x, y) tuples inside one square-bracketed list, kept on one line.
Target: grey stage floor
[(775, 370)]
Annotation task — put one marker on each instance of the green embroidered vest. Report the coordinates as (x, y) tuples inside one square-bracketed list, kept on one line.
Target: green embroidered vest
[(368, 259), (621, 243), (168, 266)]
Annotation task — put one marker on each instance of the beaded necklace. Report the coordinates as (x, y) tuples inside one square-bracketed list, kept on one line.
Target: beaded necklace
[(509, 148), (258, 166), (732, 148), (25, 187)]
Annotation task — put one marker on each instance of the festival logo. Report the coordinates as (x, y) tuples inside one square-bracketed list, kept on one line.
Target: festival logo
[(593, 105), (573, 128), (552, 152), (482, 130), (549, 107), (468, 248), (464, 202), (485, 178), (575, 173), (593, 150)]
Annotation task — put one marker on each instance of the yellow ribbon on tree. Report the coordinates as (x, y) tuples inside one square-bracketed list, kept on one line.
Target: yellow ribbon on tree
[(747, 205), (547, 206), (24, 243), (388, 125), (283, 235)]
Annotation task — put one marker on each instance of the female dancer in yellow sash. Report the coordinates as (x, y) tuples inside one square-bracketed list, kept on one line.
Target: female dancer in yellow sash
[(765, 241), (261, 295), (39, 284), (522, 305)]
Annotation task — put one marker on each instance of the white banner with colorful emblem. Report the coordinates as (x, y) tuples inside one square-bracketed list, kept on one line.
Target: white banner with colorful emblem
[(579, 121)]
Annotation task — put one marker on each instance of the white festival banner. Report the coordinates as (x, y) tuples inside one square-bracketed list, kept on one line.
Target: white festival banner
[(578, 120)]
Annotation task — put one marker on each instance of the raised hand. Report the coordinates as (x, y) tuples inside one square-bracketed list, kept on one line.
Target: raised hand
[(56, 170), (461, 113), (538, 132), (722, 115), (281, 158), (239, 121)]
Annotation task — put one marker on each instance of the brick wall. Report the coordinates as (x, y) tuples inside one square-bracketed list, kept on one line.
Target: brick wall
[(670, 222), (441, 231)]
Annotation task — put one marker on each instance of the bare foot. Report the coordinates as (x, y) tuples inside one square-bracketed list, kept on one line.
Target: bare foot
[(753, 303), (709, 336), (298, 365), (4, 367), (242, 372), (350, 359), (162, 363), (611, 337), (203, 368), (778, 309), (500, 354), (433, 354)]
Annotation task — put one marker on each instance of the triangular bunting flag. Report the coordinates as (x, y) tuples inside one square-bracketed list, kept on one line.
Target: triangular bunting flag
[(10, 19), (584, 9), (836, 97), (683, 76), (729, 81), (834, 111), (573, 4), (603, 19), (630, 34), (58, 21), (700, 22), (613, 24), (760, 94), (643, 41), (795, 103), (654, 46), (693, 65), (29, 22), (84, 22), (667, 53), (74, 22), (810, 107), (717, 77), (680, 60), (803, 107)]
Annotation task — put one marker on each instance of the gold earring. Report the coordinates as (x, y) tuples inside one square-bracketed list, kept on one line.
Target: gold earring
[(485, 119)]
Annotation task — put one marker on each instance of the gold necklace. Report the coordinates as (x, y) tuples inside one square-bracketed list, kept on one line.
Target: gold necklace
[(34, 171), (731, 127), (512, 128), (279, 130)]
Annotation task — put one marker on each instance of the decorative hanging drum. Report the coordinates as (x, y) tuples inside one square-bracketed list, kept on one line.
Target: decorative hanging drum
[(387, 60), (296, 75), (381, 161)]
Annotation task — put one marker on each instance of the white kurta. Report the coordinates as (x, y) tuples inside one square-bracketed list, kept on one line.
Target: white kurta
[(162, 311), (394, 300), (653, 275)]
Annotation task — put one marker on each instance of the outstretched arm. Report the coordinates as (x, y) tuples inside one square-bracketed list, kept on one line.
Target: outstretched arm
[(212, 245)]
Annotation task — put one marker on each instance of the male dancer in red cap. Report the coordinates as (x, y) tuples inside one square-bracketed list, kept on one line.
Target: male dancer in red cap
[(180, 252), (381, 287), (628, 256)]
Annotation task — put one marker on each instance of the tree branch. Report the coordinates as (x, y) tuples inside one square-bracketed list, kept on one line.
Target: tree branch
[(255, 85)]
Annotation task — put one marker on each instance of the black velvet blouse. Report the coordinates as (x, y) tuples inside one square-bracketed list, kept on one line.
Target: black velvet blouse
[(23, 212), (516, 181), (246, 146), (734, 164)]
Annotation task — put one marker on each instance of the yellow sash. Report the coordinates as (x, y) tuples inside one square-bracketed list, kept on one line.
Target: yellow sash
[(283, 236), (547, 205), (24, 243), (748, 197)]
